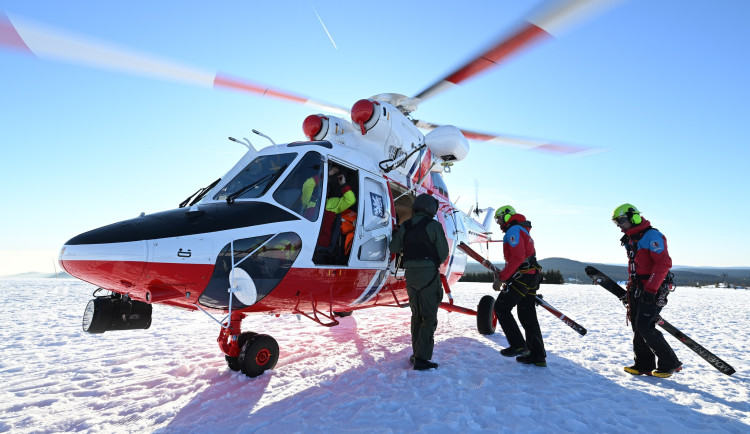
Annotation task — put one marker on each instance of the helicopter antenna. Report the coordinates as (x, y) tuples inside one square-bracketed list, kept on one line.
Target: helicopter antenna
[(476, 197), (246, 143), (263, 135)]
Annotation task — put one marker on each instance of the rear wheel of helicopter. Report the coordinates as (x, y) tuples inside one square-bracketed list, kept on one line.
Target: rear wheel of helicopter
[(343, 314), (259, 354), (486, 315), (234, 362)]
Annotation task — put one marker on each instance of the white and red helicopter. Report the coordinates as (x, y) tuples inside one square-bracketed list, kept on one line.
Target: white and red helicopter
[(247, 242)]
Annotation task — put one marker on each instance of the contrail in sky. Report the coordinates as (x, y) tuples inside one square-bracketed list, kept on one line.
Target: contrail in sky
[(324, 27)]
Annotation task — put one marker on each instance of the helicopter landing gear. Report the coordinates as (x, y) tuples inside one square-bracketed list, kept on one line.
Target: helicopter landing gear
[(486, 320), (249, 352)]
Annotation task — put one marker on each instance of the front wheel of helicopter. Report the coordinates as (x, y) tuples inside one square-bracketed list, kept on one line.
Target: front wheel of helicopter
[(259, 354)]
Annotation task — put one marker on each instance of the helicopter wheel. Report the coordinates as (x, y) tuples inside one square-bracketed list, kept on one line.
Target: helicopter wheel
[(343, 314), (486, 320), (234, 362), (259, 354)]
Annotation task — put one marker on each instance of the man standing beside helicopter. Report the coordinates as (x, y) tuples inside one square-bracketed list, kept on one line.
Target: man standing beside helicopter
[(425, 247), (521, 277)]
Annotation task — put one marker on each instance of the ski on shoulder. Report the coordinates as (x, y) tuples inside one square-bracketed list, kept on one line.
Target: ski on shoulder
[(618, 291)]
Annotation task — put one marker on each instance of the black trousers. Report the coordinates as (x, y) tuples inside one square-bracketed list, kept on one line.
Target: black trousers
[(517, 295), (648, 342)]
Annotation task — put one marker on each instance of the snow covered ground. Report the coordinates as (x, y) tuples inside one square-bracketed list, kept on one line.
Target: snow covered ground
[(356, 377)]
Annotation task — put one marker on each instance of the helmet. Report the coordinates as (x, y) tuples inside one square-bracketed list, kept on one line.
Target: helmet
[(503, 213), (426, 203), (626, 212)]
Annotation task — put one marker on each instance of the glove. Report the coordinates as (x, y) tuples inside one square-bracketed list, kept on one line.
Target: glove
[(497, 284), (648, 298)]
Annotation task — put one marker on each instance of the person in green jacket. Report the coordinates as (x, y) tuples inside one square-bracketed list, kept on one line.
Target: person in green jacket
[(339, 198), (423, 243)]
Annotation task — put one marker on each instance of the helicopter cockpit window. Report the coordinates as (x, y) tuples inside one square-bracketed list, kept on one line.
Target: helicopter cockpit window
[(301, 190), (257, 177), (439, 184)]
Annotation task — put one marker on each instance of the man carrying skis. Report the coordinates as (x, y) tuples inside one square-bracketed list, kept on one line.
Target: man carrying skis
[(648, 264), (521, 277)]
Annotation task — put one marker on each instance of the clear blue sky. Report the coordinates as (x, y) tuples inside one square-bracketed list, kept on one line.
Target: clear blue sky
[(662, 85)]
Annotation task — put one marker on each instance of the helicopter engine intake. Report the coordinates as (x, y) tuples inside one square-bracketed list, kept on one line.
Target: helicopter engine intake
[(365, 114)]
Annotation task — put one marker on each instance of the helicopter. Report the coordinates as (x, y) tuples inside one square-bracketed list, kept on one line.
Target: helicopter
[(250, 242)]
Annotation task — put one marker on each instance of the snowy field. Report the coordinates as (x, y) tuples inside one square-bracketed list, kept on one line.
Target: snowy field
[(356, 377)]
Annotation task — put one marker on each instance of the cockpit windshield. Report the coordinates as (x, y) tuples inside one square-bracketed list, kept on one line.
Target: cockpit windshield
[(256, 178)]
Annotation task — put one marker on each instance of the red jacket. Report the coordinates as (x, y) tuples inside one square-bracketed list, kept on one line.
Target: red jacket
[(517, 246), (650, 259)]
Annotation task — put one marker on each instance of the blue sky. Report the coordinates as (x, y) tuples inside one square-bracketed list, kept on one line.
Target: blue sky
[(662, 87)]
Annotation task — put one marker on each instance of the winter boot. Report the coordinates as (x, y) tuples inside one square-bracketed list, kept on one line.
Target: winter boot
[(514, 351), (531, 360), (423, 365), (634, 370), (665, 373)]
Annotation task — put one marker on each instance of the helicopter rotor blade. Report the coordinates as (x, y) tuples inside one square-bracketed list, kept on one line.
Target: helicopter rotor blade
[(549, 21), (48, 44), (519, 142)]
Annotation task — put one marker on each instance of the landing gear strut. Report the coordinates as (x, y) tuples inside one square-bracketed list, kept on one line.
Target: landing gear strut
[(249, 352)]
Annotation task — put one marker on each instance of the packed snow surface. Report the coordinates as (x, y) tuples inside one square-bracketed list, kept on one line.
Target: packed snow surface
[(355, 377)]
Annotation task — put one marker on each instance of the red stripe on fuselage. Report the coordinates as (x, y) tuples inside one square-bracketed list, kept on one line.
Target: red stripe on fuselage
[(302, 289), (323, 289), (137, 278), (424, 167)]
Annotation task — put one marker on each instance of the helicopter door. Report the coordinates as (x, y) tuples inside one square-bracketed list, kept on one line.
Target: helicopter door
[(370, 246)]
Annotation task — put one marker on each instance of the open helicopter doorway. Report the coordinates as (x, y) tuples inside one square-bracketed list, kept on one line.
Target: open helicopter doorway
[(338, 225), (402, 202)]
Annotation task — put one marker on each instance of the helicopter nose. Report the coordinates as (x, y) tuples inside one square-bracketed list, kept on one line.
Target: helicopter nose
[(112, 257)]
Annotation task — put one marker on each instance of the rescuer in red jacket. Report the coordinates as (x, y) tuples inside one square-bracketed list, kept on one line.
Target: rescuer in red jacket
[(648, 287), (520, 277)]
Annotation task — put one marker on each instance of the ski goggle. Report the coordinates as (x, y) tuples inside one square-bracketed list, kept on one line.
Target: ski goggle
[(503, 218), (621, 220)]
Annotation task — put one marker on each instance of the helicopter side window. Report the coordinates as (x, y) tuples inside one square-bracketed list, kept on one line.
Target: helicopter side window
[(301, 190), (439, 184), (256, 178)]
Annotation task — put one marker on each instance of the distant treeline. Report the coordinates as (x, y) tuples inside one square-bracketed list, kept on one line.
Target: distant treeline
[(554, 277)]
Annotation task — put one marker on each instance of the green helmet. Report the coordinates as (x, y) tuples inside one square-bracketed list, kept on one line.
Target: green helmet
[(503, 213), (627, 211)]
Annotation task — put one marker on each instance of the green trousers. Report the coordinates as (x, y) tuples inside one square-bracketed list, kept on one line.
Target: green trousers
[(425, 294)]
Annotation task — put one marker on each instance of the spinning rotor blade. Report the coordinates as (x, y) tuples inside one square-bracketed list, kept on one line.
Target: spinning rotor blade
[(46, 44), (525, 143), (548, 22)]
